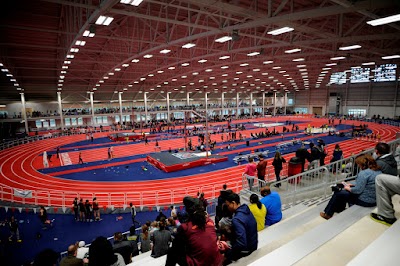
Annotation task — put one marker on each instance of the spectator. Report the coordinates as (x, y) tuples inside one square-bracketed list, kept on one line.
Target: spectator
[(71, 259), (82, 210), (303, 154), (133, 212), (173, 211), (386, 187), (278, 166), (315, 155), (362, 192), (244, 229), (161, 239), (126, 248), (145, 239), (102, 254), (196, 240), (160, 215), (261, 167), (322, 152), (203, 200), (43, 218), (250, 172), (96, 210), (258, 210), (88, 211), (226, 219), (221, 201), (76, 209), (384, 159), (337, 154), (82, 251), (14, 231), (47, 257), (272, 202)]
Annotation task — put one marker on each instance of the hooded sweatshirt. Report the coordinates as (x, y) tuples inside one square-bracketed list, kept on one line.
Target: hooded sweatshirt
[(388, 164)]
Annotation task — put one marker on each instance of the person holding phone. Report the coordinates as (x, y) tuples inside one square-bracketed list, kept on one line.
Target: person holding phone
[(362, 192)]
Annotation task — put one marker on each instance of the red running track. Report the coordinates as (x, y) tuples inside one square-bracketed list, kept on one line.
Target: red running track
[(17, 171)]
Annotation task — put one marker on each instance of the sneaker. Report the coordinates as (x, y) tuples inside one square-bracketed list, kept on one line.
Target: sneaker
[(325, 216), (383, 220)]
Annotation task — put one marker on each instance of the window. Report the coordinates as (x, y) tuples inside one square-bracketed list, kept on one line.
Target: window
[(38, 124), (290, 101), (73, 121), (80, 121), (67, 121), (301, 110), (357, 112), (52, 123)]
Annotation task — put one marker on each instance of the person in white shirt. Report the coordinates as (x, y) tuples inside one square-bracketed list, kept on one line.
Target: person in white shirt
[(82, 250), (173, 211)]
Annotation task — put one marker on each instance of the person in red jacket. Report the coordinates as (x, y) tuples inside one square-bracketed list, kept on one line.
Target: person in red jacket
[(196, 239)]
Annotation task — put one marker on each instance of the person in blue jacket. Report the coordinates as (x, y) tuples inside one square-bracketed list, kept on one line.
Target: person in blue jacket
[(272, 202), (244, 230)]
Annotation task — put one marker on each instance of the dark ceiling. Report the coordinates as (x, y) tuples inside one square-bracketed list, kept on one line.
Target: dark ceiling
[(37, 37)]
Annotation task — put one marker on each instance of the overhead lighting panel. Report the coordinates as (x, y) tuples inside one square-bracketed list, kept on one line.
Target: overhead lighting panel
[(293, 51), (338, 58), (298, 59), (89, 34), (132, 2), (351, 47), (224, 39), (281, 31), (391, 57), (104, 20), (224, 57), (382, 21), (368, 63), (148, 56), (188, 45), (201, 61), (253, 53), (80, 43), (165, 51)]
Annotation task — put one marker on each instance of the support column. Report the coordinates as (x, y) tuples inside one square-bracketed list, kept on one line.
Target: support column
[(120, 106), (188, 98), (285, 102), (92, 106), (237, 104), (263, 104), (206, 133), (24, 113), (274, 113), (222, 103), (369, 98), (251, 104), (395, 99), (145, 106), (168, 111), (60, 110)]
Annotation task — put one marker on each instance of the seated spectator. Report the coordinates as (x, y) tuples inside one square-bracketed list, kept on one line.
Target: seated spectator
[(126, 248), (102, 254), (258, 210), (272, 202), (71, 259), (47, 257), (160, 215), (171, 226), (161, 239), (361, 192), (145, 239), (196, 240), (82, 251), (244, 230), (385, 160), (386, 187), (226, 219)]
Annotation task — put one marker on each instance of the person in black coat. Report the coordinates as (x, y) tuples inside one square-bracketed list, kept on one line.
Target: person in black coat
[(304, 155)]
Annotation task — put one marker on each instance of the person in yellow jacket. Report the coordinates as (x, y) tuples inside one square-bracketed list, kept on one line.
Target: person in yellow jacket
[(258, 210)]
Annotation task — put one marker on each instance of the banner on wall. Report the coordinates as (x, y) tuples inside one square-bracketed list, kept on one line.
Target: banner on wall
[(22, 193)]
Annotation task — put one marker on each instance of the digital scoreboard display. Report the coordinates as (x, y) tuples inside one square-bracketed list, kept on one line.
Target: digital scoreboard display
[(385, 72)]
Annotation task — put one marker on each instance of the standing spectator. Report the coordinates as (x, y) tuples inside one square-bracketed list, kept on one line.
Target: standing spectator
[(221, 201), (82, 210), (161, 239), (278, 166), (315, 156), (302, 154), (322, 152), (273, 204), (96, 210), (71, 259), (43, 217), (258, 210), (160, 216), (244, 229), (102, 254), (80, 158), (133, 212), (109, 153), (58, 152), (88, 211), (337, 154), (14, 231), (76, 209), (385, 160), (196, 240), (361, 192), (250, 172), (91, 137), (203, 200), (261, 167), (173, 211)]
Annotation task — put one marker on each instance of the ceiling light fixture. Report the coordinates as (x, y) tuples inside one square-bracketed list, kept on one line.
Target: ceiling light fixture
[(148, 56), (295, 50), (80, 43), (224, 39), (104, 20), (202, 61), (338, 58), (382, 21), (135, 60), (267, 62), (253, 53), (368, 63), (188, 45), (351, 47), (298, 59), (165, 51), (89, 34), (132, 2), (280, 31), (224, 57), (391, 57)]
